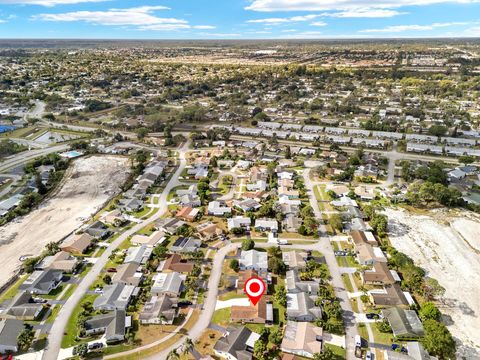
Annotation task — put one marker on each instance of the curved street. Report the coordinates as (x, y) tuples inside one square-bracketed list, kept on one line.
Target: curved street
[(55, 336)]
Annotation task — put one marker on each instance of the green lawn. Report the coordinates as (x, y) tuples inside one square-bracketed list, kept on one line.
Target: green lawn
[(13, 290), (339, 353), (221, 317), (71, 330), (347, 282)]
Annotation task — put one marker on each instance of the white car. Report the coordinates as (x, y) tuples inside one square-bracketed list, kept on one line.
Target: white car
[(98, 291), (369, 355)]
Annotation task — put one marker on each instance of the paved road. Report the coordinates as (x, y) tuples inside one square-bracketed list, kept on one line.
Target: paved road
[(337, 281), (27, 156), (58, 328), (206, 314)]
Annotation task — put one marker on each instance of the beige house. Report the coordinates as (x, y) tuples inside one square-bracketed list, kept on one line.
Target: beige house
[(302, 339)]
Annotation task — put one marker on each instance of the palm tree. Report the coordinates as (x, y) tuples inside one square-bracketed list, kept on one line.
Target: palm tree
[(188, 345), (173, 355)]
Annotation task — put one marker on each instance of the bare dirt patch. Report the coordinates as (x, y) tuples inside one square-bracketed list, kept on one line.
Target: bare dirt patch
[(446, 244), (88, 184)]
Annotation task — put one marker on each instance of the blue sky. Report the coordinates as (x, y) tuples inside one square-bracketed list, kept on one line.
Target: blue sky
[(238, 19)]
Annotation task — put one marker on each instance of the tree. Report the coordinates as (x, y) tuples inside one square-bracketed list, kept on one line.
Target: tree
[(438, 130), (234, 265), (432, 289), (188, 345), (107, 279), (260, 349), (248, 244), (173, 355), (52, 248), (326, 354), (288, 152), (437, 340), (142, 132), (276, 265), (466, 159), (42, 189), (25, 338), (336, 222), (80, 350), (281, 295), (429, 311)]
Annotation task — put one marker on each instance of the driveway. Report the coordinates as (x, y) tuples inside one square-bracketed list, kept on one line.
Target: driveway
[(232, 302), (56, 334)]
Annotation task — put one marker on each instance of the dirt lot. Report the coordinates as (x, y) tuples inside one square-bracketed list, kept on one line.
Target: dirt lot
[(447, 246), (89, 183)]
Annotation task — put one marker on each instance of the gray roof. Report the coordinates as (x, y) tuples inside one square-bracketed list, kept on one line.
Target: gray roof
[(114, 322), (159, 305), (41, 281), (235, 343), (183, 244), (22, 306), (302, 305), (404, 323), (167, 283), (138, 254), (9, 331), (116, 296), (294, 284)]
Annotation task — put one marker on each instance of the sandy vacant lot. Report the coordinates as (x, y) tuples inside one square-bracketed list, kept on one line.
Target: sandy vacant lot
[(447, 246), (89, 183)]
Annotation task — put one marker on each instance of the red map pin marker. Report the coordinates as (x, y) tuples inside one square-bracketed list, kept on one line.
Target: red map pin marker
[(254, 288)]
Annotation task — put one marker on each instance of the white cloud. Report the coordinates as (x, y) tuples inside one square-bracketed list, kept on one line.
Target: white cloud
[(318, 23), (326, 5), (48, 2), (275, 21), (404, 28), (364, 13), (141, 16), (289, 30)]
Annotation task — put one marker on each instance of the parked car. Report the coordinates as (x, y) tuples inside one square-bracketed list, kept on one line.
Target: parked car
[(111, 270), (98, 291), (95, 346), (369, 355), (39, 300), (372, 316)]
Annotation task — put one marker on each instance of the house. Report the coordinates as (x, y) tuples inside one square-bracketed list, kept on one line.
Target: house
[(365, 193), (170, 284), (175, 263), (132, 205), (9, 331), (218, 208), (380, 274), (236, 344), (238, 222), (114, 218), (138, 255), (113, 325), (363, 237), (22, 307), (252, 314), (294, 259), (128, 274), (77, 244), (405, 324), (253, 260), (388, 296), (302, 339), (295, 285), (344, 201), (62, 260), (247, 205), (456, 175), (301, 307), (185, 245), (42, 282), (115, 297), (98, 230), (292, 223), (415, 351), (169, 225), (159, 310), (243, 277), (266, 224), (150, 241), (208, 231), (187, 213), (259, 185)]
